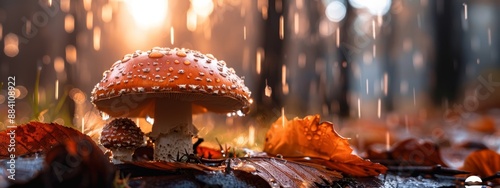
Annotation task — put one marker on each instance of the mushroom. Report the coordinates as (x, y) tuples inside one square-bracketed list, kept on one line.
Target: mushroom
[(170, 85), (122, 137)]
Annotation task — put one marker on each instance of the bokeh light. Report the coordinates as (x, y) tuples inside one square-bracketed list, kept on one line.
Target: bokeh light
[(11, 43), (335, 11), (375, 7)]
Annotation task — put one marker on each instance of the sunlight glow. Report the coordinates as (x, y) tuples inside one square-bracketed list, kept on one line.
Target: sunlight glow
[(147, 13)]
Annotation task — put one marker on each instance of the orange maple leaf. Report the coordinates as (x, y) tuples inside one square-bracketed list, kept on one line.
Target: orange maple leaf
[(317, 140), (483, 163)]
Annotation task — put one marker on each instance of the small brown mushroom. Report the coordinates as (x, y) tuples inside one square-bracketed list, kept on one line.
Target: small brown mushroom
[(122, 137), (170, 85)]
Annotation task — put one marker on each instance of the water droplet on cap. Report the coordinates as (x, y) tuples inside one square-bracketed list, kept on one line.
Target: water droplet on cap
[(125, 58), (155, 54), (181, 53)]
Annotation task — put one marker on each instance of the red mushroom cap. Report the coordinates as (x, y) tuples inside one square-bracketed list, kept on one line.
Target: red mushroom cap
[(132, 85)]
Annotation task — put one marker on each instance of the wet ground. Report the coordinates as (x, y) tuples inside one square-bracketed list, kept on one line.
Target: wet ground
[(193, 175)]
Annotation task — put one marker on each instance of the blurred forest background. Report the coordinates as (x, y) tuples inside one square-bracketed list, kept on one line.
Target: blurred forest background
[(391, 62)]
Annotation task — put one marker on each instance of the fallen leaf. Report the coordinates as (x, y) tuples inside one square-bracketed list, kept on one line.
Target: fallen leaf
[(208, 153), (410, 152), (36, 137), (282, 173), (484, 124), (308, 137), (484, 163)]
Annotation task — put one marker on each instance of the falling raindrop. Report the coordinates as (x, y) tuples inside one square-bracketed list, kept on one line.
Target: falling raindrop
[(283, 80), (282, 28), (296, 25), (244, 32), (283, 123), (374, 35), (379, 108), (465, 10), (337, 39), (385, 83), (387, 141), (258, 60), (367, 86), (172, 35), (359, 108), (57, 90)]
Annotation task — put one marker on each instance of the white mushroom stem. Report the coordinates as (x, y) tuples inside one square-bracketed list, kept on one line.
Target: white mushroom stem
[(173, 129), (121, 154)]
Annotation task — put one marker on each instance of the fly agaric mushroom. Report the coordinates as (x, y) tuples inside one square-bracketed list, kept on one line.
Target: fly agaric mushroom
[(170, 85), (122, 137)]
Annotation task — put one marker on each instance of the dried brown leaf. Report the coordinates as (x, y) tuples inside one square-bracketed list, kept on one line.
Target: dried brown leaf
[(36, 137), (417, 152), (308, 137)]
